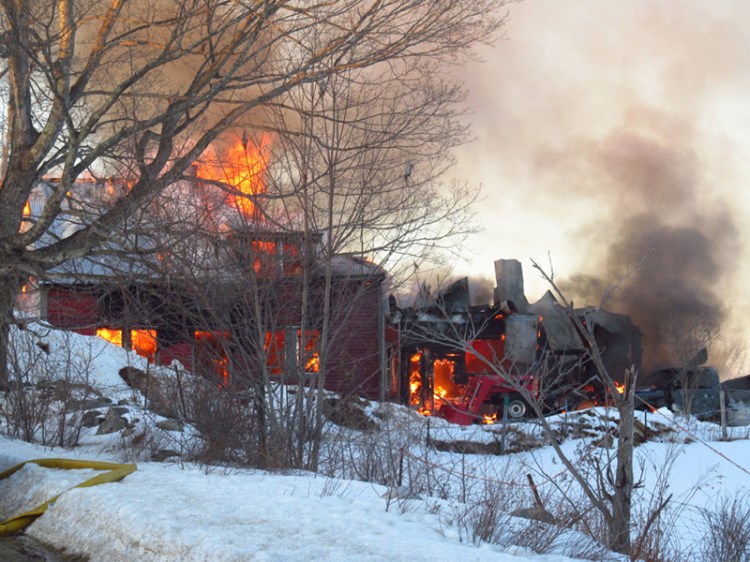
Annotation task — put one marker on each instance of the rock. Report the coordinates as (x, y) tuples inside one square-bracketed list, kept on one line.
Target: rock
[(163, 454), (55, 389), (89, 404), (112, 422), (64, 390), (158, 397), (130, 429), (468, 447), (170, 425), (536, 513), (347, 412), (92, 418), (134, 378)]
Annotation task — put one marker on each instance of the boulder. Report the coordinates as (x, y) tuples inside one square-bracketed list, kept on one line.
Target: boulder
[(170, 425), (112, 422), (163, 454), (536, 513), (89, 404), (92, 418), (135, 378), (348, 412), (157, 394)]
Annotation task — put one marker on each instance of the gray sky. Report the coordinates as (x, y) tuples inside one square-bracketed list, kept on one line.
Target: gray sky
[(610, 131)]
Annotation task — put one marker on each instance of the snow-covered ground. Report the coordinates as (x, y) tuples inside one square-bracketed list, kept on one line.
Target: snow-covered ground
[(181, 511), (168, 512)]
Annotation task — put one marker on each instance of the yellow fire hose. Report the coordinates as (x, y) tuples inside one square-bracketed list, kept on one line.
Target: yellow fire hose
[(115, 472)]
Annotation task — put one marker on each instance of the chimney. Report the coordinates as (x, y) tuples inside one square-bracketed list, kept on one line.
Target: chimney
[(509, 278)]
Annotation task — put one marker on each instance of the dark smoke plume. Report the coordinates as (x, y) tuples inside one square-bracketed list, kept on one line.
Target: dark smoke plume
[(482, 290), (669, 244)]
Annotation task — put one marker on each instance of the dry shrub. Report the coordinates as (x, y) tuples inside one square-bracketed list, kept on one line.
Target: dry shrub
[(370, 456), (727, 537), (348, 412), (228, 428), (485, 518), (46, 390)]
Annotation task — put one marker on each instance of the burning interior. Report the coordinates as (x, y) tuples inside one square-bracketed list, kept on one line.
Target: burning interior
[(474, 364)]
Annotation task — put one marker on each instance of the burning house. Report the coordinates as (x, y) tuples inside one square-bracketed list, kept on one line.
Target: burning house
[(231, 296), (243, 326), (240, 299), (475, 363)]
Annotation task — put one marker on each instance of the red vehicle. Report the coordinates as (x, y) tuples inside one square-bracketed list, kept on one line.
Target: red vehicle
[(485, 391)]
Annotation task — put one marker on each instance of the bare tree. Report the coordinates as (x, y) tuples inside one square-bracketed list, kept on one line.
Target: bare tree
[(140, 89), (612, 493), (359, 159)]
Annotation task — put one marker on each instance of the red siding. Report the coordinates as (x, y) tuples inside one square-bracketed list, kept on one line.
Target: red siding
[(353, 364), (68, 308), (354, 361), (182, 352)]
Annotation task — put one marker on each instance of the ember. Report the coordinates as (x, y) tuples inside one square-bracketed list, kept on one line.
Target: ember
[(488, 419)]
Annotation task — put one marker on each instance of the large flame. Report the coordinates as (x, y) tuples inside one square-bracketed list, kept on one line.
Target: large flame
[(240, 166), (444, 388)]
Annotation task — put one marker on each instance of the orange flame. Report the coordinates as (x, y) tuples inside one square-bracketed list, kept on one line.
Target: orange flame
[(144, 343), (415, 379), (444, 389), (619, 387), (242, 167), (313, 364), (489, 419), (112, 336), (25, 224)]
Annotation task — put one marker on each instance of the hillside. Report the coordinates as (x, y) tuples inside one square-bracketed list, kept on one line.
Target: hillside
[(453, 499)]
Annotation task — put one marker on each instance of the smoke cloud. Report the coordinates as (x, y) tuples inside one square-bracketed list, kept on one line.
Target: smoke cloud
[(658, 233), (612, 136)]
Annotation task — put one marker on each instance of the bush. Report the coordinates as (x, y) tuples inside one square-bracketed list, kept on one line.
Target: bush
[(727, 536)]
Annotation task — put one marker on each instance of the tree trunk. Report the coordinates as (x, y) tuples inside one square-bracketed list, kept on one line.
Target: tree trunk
[(623, 492), (9, 288)]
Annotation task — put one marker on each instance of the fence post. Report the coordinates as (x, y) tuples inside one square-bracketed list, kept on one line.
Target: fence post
[(722, 406), (506, 401)]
